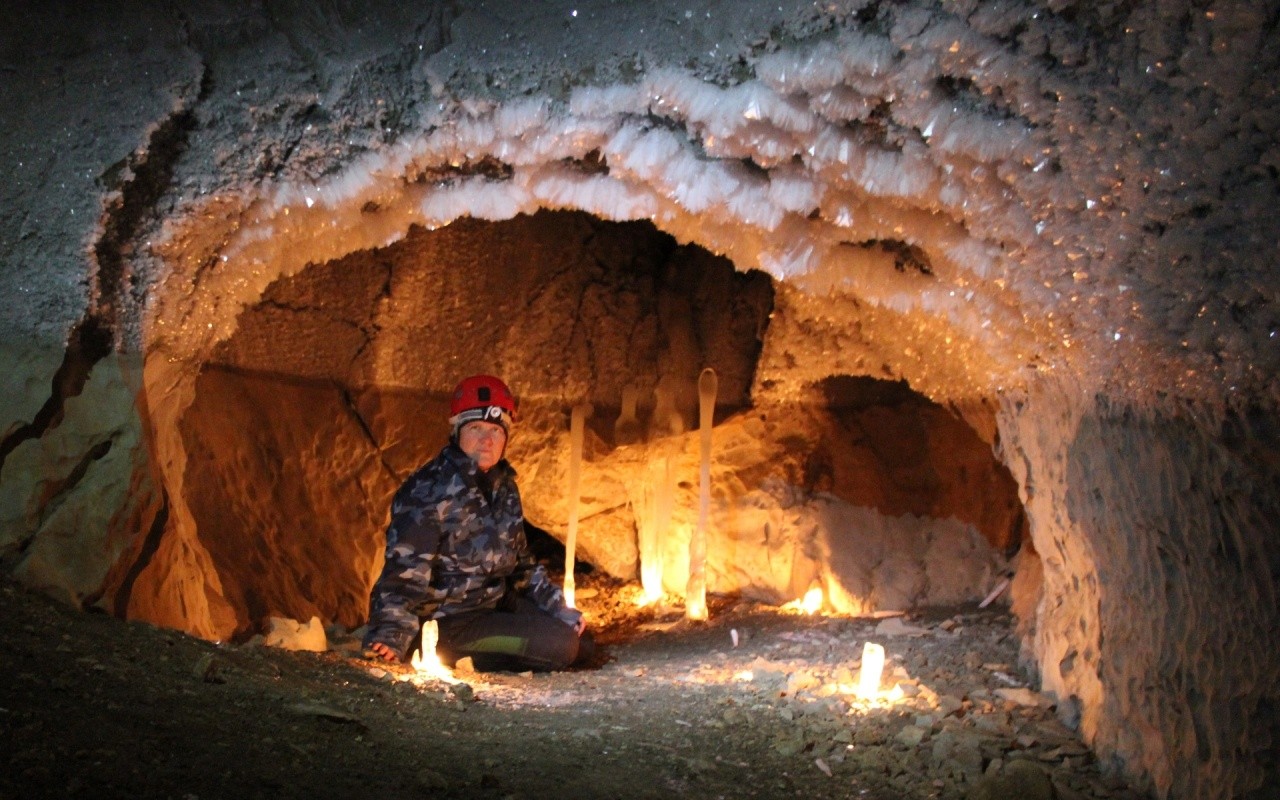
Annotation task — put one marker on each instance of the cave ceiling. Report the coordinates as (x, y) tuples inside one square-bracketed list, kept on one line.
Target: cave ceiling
[(988, 192)]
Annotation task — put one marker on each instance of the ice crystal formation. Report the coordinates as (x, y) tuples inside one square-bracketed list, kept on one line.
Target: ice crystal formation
[(247, 247)]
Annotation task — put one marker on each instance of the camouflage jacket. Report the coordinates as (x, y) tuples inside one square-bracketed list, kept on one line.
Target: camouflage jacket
[(451, 548)]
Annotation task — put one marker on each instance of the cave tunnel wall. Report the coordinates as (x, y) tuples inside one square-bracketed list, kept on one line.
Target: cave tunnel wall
[(1090, 186), (1209, 563), (543, 299), (1157, 534)]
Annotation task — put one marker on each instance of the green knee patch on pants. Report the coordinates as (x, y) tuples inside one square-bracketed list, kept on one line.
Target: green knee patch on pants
[(509, 645)]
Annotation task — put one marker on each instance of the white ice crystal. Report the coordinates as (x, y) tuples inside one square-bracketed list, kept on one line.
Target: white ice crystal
[(938, 136), (475, 197)]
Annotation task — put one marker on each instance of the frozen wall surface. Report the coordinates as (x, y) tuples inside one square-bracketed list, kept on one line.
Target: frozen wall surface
[(1054, 219)]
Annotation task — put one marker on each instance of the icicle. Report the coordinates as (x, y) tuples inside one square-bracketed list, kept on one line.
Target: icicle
[(577, 418), (695, 599)]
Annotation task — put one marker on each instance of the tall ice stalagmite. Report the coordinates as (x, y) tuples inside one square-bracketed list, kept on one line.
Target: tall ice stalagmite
[(696, 595), (577, 421)]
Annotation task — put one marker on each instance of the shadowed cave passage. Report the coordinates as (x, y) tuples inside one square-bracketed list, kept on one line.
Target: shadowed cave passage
[(912, 456), (335, 387)]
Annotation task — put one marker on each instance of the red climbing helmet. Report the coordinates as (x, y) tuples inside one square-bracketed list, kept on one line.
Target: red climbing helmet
[(482, 397)]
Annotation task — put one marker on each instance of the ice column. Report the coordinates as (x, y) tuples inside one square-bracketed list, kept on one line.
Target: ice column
[(577, 420), (665, 426), (662, 479), (695, 597)]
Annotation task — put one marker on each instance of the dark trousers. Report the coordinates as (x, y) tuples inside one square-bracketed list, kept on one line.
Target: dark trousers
[(518, 637)]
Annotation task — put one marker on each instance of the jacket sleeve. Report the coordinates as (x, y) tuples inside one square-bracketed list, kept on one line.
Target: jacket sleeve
[(531, 579), (403, 595)]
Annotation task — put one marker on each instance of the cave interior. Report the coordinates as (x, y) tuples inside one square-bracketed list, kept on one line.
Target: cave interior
[(989, 290)]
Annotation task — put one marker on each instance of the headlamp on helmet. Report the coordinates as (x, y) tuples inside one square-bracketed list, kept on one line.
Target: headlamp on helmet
[(482, 398)]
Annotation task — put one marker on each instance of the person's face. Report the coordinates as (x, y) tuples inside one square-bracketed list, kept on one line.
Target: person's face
[(483, 442)]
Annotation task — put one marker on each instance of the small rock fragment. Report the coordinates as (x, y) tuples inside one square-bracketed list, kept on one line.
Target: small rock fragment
[(1025, 697), (1018, 778), (463, 692), (431, 780), (911, 735), (949, 704), (208, 669)]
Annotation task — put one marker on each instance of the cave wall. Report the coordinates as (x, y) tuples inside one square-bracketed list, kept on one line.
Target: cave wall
[(77, 490), (1172, 513), (289, 494), (1089, 190)]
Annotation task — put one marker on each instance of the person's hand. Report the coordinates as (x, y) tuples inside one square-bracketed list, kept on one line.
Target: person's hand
[(382, 651)]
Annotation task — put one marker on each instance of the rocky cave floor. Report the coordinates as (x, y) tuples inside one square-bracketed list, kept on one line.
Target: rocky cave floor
[(91, 706)]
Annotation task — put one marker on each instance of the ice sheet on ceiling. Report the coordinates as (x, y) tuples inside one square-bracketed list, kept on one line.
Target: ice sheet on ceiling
[(1032, 178)]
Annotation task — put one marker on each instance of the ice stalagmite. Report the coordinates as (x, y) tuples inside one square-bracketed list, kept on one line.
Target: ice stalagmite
[(664, 429), (627, 429), (695, 600), (662, 476), (577, 419)]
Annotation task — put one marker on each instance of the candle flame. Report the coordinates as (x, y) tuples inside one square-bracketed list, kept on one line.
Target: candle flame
[(426, 662), (648, 597), (811, 603)]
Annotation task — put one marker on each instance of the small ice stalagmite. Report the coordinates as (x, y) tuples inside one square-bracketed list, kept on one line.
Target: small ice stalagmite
[(695, 598), (577, 422), (627, 429), (661, 424), (872, 668)]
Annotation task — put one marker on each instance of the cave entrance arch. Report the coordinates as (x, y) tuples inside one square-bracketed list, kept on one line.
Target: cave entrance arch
[(334, 387)]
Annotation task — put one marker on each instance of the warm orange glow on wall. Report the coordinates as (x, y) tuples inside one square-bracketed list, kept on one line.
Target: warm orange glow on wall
[(811, 603)]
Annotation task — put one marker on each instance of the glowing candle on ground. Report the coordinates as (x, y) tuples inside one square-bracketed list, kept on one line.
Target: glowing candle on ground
[(425, 661), (812, 602), (872, 668), (577, 419), (695, 598)]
